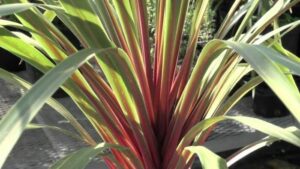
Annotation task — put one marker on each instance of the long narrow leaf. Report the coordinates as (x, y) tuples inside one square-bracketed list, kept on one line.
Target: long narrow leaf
[(8, 9), (123, 80), (263, 59), (15, 121), (33, 126), (80, 158), (208, 159), (257, 124), (267, 141), (51, 102), (86, 22)]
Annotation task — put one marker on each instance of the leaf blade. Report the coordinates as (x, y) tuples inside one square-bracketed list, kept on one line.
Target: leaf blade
[(208, 159), (14, 122), (9, 9), (80, 158)]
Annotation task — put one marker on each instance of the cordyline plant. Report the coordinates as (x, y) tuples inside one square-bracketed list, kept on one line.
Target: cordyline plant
[(150, 111)]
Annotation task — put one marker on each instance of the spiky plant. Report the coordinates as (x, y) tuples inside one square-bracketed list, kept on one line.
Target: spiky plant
[(150, 111)]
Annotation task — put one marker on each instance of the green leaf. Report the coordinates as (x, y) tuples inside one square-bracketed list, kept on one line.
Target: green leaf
[(14, 122), (264, 61), (10, 77), (286, 28), (280, 59), (194, 135), (25, 51), (246, 19), (14, 8), (80, 158), (208, 159), (240, 93), (103, 14), (265, 127), (231, 18), (269, 129), (33, 126), (267, 141), (49, 37), (123, 81), (35, 58), (220, 93), (8, 9), (17, 25), (260, 125), (88, 25), (50, 15)]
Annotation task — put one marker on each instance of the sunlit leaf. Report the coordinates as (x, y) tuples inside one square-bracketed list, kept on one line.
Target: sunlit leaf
[(51, 102), (80, 158), (8, 9), (17, 118), (208, 159), (267, 141)]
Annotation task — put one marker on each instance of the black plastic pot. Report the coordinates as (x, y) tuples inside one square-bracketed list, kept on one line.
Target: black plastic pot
[(10, 62), (291, 41), (267, 104)]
